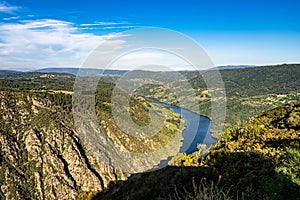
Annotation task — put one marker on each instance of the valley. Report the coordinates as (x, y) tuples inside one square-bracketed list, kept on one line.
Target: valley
[(43, 156)]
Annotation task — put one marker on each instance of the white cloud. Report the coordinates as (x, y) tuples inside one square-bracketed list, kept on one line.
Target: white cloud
[(54, 43), (45, 43), (108, 25), (121, 27), (6, 8), (11, 18), (105, 24)]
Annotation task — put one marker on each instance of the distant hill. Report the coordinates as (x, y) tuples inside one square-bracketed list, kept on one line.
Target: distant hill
[(92, 71), (224, 67), (95, 72), (84, 72), (234, 67), (7, 72), (58, 70)]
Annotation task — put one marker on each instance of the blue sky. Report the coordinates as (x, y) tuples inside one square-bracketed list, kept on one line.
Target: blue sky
[(37, 34)]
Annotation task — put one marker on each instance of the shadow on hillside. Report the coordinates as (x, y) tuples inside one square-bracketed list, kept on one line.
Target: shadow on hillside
[(160, 183), (246, 175)]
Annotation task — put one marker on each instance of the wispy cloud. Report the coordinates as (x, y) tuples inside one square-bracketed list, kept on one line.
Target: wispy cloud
[(121, 27), (11, 18), (108, 25), (105, 24), (45, 43), (7, 8)]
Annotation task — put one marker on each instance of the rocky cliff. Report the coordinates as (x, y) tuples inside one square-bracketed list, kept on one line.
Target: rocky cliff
[(41, 155)]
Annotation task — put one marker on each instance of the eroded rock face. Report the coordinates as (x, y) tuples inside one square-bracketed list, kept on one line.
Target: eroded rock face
[(41, 155)]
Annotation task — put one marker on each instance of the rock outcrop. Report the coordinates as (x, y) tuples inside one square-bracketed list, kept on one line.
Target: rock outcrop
[(41, 156)]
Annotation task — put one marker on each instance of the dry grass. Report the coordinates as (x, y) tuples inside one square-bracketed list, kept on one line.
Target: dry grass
[(205, 190)]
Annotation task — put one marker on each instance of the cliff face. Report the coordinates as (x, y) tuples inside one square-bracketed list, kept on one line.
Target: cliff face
[(41, 156)]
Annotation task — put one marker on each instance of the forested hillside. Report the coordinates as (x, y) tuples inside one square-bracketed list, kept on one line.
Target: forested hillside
[(259, 160), (249, 91)]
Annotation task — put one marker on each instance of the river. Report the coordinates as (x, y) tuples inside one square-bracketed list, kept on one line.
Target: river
[(197, 129)]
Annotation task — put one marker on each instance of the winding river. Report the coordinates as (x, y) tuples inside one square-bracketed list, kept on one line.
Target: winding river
[(197, 129)]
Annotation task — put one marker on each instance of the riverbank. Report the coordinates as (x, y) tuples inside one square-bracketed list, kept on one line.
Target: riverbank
[(197, 129)]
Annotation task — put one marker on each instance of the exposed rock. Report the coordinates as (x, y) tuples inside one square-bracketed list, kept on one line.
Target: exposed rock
[(41, 156)]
